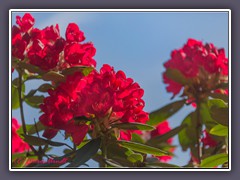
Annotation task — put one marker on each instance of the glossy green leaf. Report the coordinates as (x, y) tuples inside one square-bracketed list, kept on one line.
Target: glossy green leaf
[(187, 136), (177, 76), (161, 165), (220, 115), (31, 68), (142, 148), (85, 153), (33, 140), (36, 141), (135, 158), (133, 126), (31, 77), (113, 163), (219, 130), (36, 127), (84, 69), (45, 87), (15, 82), (165, 112), (18, 155), (166, 136), (217, 102), (214, 160), (87, 70), (137, 138), (32, 128), (19, 162), (223, 97), (121, 154), (15, 98), (31, 93), (223, 86), (53, 76), (115, 149), (219, 111), (206, 117), (34, 101)]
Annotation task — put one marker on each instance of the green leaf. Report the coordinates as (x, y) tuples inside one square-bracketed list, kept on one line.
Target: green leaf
[(32, 77), (163, 165), (33, 140), (15, 98), (217, 102), (15, 82), (53, 76), (177, 76), (113, 163), (85, 153), (82, 119), (219, 111), (223, 86), (31, 128), (87, 70), (142, 148), (220, 115), (45, 87), (223, 97), (165, 112), (31, 93), (121, 155), (115, 149), (20, 162), (135, 158), (36, 141), (18, 155), (214, 160), (137, 138), (34, 101), (133, 126), (219, 130), (30, 67), (166, 136), (84, 69), (206, 116), (187, 136)]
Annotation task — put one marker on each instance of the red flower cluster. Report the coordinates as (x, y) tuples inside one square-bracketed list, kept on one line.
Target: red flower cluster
[(208, 140), (47, 49), (107, 97), (18, 145), (161, 129), (193, 58)]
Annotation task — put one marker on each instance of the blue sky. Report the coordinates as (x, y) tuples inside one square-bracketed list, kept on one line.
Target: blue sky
[(139, 43)]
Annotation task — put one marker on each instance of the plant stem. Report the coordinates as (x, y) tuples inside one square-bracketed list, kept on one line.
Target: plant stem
[(21, 109), (104, 150), (198, 132), (21, 102)]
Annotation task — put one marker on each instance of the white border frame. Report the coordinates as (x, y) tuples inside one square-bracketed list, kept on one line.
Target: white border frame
[(120, 10)]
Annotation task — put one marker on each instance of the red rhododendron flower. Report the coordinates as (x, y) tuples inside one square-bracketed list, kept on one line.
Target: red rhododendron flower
[(51, 33), (47, 49), (18, 43), (208, 140), (106, 96), (196, 60), (26, 22), (73, 33), (18, 145), (43, 55), (80, 54), (161, 129)]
